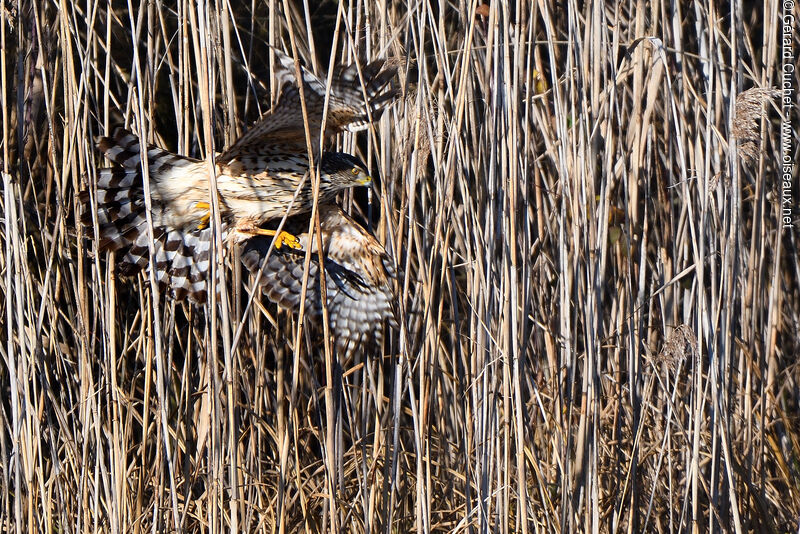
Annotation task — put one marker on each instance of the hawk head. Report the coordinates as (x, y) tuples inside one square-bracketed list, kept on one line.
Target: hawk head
[(341, 171)]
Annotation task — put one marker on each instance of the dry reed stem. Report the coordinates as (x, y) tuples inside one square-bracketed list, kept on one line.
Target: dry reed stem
[(546, 187)]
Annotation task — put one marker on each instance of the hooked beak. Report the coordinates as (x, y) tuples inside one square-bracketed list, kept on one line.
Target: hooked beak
[(365, 179)]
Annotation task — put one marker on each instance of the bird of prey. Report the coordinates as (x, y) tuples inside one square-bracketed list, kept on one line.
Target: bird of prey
[(359, 277), (258, 177)]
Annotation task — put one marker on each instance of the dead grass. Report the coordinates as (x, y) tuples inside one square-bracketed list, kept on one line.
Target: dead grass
[(598, 334)]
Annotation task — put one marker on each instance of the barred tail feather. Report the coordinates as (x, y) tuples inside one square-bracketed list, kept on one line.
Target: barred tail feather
[(182, 258), (183, 261), (124, 149)]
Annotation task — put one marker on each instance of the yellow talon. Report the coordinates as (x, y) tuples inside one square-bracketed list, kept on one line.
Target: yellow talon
[(280, 239), (285, 238)]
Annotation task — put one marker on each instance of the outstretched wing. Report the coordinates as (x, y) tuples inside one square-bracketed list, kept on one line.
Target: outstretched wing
[(359, 278), (347, 109)]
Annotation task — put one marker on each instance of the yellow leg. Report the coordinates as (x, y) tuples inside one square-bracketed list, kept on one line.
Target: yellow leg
[(205, 218), (281, 239)]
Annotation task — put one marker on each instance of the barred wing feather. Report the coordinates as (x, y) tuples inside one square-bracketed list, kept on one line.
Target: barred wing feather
[(348, 109), (359, 279)]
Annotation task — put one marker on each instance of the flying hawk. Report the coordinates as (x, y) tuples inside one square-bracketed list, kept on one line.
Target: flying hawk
[(257, 178)]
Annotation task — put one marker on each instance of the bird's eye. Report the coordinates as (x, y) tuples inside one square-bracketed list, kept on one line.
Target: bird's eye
[(355, 171)]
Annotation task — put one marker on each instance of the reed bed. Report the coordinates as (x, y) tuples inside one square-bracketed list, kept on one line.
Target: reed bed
[(599, 302)]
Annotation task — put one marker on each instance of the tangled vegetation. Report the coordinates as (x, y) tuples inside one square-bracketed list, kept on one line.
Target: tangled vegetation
[(599, 300)]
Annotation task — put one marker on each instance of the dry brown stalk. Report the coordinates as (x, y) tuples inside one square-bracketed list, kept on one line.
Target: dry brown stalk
[(541, 185)]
